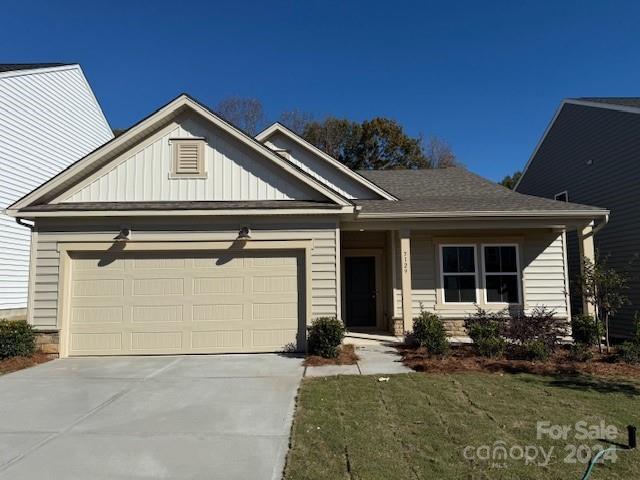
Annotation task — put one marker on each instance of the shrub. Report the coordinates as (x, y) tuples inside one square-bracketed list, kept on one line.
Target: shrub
[(630, 352), (580, 352), (535, 350), (540, 325), (490, 346), (17, 339), (585, 330), (429, 332), (325, 336), (487, 330)]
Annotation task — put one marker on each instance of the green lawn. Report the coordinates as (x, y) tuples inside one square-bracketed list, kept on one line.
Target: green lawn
[(416, 426)]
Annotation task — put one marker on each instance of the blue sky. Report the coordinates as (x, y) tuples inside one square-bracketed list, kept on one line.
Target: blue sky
[(485, 76)]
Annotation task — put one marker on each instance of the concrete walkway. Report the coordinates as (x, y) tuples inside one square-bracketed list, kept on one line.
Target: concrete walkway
[(192, 417), (376, 358)]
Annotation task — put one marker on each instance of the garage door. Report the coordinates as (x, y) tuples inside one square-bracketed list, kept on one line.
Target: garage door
[(194, 303)]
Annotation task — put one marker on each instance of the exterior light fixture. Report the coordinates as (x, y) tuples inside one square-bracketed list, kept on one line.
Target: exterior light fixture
[(123, 235), (244, 233)]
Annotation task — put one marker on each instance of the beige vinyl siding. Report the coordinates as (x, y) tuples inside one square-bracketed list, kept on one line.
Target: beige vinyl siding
[(232, 172), (49, 118), (542, 267), (322, 233)]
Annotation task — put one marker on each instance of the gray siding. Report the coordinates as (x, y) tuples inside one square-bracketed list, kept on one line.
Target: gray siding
[(594, 154), (49, 233)]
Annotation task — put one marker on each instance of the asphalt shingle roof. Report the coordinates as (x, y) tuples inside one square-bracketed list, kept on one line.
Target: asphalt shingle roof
[(623, 101), (453, 189), (11, 67)]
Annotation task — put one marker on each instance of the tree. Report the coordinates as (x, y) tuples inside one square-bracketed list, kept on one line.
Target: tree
[(603, 287), (510, 181), (296, 120), (245, 113), (379, 143)]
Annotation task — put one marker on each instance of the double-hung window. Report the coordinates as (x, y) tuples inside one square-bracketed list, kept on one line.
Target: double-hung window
[(458, 273), (501, 274)]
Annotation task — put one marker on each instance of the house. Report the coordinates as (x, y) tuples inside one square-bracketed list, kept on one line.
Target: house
[(49, 118), (185, 235), (589, 154)]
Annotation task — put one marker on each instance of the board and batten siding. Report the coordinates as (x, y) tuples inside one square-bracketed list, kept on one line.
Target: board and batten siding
[(233, 171), (323, 234), (49, 118), (542, 265), (319, 168), (592, 153)]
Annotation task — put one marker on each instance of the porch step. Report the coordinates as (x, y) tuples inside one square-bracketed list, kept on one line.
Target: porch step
[(358, 338)]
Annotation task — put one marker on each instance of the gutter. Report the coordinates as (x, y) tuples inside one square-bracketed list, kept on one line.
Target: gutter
[(541, 213)]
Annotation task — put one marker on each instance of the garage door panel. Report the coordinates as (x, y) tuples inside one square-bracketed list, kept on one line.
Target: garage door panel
[(185, 303)]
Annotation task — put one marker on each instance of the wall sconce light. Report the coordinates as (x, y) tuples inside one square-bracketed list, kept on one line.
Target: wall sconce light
[(244, 233), (123, 235)]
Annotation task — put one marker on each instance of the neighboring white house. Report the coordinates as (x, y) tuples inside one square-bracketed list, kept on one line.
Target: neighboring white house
[(49, 117)]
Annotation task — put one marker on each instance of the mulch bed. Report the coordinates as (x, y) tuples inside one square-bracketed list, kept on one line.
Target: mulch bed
[(347, 356), (464, 359), (13, 364)]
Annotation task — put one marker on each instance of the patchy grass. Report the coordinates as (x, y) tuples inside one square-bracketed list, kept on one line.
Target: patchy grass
[(463, 359), (347, 356), (13, 364), (416, 426)]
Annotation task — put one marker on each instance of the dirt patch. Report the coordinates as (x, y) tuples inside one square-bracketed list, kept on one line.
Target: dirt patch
[(464, 359), (347, 356), (13, 364)]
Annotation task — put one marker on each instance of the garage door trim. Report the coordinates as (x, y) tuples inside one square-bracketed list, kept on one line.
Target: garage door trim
[(66, 249)]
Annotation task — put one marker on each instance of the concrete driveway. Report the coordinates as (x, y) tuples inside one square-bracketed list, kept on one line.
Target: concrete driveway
[(191, 417)]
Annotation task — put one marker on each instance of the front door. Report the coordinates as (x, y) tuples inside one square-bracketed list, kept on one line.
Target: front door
[(360, 290)]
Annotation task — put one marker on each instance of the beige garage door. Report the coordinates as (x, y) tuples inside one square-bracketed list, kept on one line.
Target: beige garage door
[(194, 303)]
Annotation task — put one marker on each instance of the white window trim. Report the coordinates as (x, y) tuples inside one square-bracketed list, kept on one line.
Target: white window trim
[(566, 193), (517, 273), (442, 272)]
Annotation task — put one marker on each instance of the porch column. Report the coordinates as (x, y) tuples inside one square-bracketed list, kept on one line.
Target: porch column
[(587, 250), (405, 276)]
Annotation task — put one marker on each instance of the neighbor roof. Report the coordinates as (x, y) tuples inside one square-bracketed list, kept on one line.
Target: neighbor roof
[(12, 67), (455, 190), (623, 101)]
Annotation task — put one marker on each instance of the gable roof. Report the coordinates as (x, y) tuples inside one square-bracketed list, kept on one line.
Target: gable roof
[(277, 127), (104, 154), (12, 67), (455, 191), (622, 104)]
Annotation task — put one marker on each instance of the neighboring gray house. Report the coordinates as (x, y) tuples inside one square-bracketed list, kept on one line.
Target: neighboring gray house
[(590, 153), (49, 118), (185, 235)]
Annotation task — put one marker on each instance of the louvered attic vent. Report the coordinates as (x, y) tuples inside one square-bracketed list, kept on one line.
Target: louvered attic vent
[(188, 158)]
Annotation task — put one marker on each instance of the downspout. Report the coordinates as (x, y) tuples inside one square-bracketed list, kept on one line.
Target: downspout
[(600, 225), (20, 221)]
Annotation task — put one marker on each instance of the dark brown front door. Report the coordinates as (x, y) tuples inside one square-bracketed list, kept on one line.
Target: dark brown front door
[(360, 290)]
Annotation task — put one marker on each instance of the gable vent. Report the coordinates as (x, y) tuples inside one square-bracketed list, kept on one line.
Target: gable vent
[(188, 157)]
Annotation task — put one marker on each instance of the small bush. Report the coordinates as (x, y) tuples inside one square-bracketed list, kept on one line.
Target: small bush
[(486, 330), (630, 352), (17, 339), (580, 352), (540, 325), (429, 332), (491, 347), (535, 350), (584, 330), (325, 336)]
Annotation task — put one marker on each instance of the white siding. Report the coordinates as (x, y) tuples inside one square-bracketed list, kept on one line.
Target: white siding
[(49, 118), (323, 255), (233, 172), (542, 264), (320, 169)]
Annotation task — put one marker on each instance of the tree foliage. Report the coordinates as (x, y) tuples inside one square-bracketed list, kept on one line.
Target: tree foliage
[(604, 288), (296, 120), (510, 181), (245, 113)]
